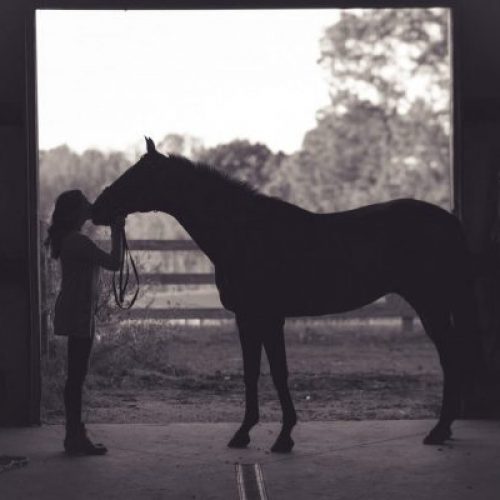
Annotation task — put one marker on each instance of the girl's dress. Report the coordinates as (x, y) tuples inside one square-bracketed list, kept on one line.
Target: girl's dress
[(76, 304)]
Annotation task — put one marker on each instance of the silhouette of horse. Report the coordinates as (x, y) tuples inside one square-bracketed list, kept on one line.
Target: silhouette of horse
[(274, 260)]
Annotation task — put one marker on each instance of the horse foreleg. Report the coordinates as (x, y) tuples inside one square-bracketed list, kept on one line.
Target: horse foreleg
[(251, 345), (274, 344)]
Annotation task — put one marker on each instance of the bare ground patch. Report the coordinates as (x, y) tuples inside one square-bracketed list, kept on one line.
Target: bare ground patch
[(161, 374)]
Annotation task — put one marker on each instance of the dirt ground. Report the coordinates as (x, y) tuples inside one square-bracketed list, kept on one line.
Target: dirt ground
[(153, 373)]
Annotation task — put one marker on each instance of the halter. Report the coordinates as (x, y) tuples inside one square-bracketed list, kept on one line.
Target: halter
[(123, 275)]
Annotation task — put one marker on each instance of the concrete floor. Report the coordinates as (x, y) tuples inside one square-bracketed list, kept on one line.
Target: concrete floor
[(331, 460)]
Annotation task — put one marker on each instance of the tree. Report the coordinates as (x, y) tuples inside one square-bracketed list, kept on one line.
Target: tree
[(398, 60), (243, 160), (378, 54), (325, 175), (382, 136)]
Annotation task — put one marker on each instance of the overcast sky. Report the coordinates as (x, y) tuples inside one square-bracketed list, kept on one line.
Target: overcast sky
[(107, 78)]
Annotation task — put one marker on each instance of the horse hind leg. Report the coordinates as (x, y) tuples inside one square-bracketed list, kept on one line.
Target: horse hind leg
[(450, 406), (465, 316), (437, 323)]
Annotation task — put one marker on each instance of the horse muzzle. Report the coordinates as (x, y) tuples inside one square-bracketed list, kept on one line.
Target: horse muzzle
[(97, 217), (100, 216), (100, 213)]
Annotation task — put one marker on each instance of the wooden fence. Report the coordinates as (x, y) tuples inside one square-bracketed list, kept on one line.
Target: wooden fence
[(392, 306)]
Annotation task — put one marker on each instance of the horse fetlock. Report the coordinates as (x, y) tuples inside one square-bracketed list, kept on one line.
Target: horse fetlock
[(249, 421), (289, 422)]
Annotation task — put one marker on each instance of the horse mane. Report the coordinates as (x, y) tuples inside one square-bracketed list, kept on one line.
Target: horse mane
[(212, 178)]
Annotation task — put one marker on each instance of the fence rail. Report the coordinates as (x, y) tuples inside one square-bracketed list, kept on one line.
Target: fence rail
[(178, 278), (158, 245), (392, 306)]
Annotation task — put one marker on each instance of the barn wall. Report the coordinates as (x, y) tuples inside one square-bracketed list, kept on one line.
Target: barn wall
[(480, 142), (478, 139), (19, 391)]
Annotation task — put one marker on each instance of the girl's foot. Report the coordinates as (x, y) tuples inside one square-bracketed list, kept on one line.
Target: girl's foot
[(78, 443)]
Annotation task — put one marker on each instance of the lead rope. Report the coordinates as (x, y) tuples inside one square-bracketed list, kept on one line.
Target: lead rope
[(120, 287)]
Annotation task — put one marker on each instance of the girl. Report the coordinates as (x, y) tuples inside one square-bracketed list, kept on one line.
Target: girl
[(76, 303)]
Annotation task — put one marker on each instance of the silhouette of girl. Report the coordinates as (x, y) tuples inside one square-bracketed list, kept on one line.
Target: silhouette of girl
[(76, 303)]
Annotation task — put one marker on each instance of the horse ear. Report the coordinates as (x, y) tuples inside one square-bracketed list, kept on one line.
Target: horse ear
[(150, 145)]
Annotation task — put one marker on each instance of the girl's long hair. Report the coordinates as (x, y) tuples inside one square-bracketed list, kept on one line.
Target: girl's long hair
[(67, 217)]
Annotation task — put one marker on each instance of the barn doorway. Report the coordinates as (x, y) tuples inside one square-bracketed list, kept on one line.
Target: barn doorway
[(355, 122)]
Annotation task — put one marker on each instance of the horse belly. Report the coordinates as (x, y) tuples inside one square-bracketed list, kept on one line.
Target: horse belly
[(328, 298), (317, 290), (317, 280)]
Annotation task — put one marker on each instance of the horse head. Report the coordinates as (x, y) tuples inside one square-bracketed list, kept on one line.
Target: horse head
[(133, 191)]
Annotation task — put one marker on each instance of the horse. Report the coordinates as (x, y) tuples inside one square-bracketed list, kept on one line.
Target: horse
[(274, 260)]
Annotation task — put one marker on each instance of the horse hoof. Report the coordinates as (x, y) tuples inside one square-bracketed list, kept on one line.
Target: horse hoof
[(437, 436), (239, 441), (283, 445)]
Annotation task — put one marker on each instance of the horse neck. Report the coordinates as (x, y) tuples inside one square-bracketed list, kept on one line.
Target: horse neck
[(210, 216), (203, 235)]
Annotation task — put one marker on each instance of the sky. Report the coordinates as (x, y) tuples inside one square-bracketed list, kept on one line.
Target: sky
[(107, 78)]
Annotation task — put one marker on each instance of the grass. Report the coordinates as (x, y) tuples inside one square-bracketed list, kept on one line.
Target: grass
[(158, 374)]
